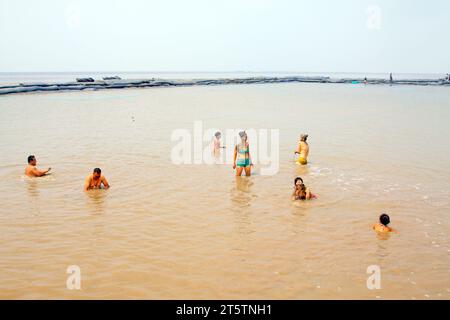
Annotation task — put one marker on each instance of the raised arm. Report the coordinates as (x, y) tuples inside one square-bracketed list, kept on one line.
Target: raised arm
[(39, 173), (105, 183), (308, 193)]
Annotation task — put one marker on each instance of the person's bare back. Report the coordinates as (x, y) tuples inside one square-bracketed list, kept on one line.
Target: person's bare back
[(378, 227), (304, 149), (382, 225)]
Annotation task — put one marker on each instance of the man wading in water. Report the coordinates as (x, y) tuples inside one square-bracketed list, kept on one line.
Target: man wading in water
[(95, 181), (31, 170)]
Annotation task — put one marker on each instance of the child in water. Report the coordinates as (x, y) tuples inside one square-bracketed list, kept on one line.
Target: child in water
[(217, 143), (382, 226), (301, 192)]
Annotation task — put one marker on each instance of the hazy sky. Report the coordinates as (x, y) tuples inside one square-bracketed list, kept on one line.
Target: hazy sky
[(225, 35)]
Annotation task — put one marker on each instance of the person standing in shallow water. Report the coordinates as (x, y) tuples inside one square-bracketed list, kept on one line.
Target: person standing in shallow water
[(217, 143), (242, 159), (96, 181), (31, 170), (302, 150)]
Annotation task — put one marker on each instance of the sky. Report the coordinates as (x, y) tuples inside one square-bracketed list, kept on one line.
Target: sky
[(379, 36)]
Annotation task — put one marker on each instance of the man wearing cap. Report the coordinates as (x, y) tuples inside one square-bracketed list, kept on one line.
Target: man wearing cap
[(302, 150)]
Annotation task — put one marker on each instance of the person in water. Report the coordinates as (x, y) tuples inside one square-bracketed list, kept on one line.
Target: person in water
[(242, 159), (96, 181), (301, 192), (31, 170), (217, 143), (302, 150), (382, 226)]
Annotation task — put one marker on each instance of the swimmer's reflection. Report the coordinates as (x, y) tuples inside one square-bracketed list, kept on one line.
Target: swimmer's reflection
[(241, 194), (244, 183), (383, 236), (33, 192), (32, 188), (301, 170), (382, 250), (242, 197), (96, 200)]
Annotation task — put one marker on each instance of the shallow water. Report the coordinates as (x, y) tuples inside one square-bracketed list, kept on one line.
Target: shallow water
[(195, 231)]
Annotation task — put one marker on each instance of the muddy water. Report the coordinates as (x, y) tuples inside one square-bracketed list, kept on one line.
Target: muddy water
[(195, 231)]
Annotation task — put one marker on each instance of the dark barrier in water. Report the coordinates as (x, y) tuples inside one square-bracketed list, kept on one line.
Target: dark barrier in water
[(119, 83)]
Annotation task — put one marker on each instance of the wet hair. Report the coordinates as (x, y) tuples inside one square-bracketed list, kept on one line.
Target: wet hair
[(302, 195), (217, 134), (31, 158), (384, 219), (98, 170)]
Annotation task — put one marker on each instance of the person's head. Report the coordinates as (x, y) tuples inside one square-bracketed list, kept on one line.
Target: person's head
[(97, 173), (298, 181), (303, 137), (384, 219), (300, 186), (32, 160), (243, 136), (218, 135)]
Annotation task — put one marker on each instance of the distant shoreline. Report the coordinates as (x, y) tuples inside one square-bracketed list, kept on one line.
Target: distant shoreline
[(146, 83)]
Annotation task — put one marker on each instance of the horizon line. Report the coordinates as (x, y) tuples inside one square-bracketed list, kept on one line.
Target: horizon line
[(218, 71)]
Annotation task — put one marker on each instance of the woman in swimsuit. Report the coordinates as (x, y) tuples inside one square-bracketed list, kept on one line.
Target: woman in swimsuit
[(301, 192), (302, 150), (242, 159)]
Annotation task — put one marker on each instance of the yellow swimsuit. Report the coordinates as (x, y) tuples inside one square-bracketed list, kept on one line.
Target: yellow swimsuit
[(302, 161)]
